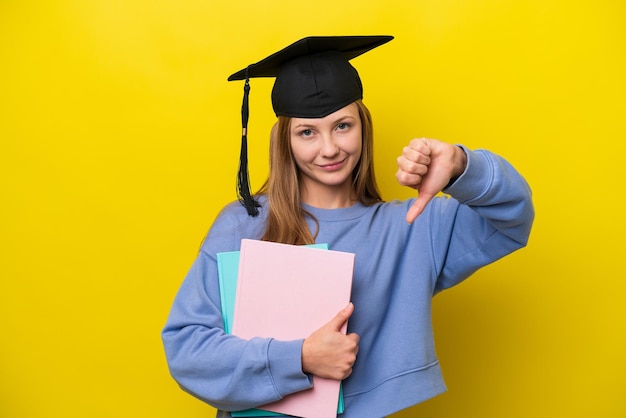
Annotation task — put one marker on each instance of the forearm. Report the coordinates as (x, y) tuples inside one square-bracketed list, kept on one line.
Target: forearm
[(225, 371), (491, 186), (491, 216)]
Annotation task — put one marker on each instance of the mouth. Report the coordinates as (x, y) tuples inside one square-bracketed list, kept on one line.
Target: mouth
[(336, 165)]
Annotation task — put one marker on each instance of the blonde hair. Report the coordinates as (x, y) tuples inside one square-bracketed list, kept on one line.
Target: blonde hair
[(286, 220)]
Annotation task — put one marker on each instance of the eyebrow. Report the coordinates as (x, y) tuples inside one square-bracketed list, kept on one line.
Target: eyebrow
[(344, 118), (338, 120)]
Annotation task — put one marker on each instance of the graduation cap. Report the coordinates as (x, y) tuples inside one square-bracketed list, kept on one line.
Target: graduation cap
[(314, 78)]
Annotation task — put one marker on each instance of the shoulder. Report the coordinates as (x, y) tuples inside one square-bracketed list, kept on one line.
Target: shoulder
[(233, 223), (234, 212)]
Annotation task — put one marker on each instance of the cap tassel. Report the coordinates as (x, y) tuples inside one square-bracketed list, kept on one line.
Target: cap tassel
[(243, 178)]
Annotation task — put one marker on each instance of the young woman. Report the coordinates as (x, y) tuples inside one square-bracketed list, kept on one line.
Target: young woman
[(321, 188)]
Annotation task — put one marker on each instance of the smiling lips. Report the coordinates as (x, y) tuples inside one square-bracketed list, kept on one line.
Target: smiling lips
[(333, 166)]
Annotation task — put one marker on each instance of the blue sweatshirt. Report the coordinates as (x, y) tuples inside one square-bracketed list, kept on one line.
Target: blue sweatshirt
[(398, 269)]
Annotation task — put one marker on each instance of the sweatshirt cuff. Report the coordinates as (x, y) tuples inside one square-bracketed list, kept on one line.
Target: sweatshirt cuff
[(285, 364), (475, 180)]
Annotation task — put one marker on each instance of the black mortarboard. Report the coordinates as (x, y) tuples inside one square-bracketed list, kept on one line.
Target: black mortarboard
[(313, 80)]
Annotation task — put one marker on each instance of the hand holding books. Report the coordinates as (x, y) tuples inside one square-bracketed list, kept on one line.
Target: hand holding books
[(328, 352)]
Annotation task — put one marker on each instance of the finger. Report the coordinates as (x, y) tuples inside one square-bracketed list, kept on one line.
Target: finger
[(417, 155), (409, 173), (340, 319), (355, 338), (407, 179), (418, 206), (420, 144), (412, 166)]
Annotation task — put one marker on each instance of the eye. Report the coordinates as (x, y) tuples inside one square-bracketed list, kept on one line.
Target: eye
[(306, 132), (342, 126)]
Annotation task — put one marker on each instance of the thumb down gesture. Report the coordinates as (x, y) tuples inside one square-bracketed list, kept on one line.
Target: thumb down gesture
[(428, 166)]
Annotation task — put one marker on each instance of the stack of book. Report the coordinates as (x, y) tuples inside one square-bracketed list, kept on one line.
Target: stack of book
[(286, 292)]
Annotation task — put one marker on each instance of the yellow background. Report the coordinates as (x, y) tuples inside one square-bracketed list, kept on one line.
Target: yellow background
[(119, 139)]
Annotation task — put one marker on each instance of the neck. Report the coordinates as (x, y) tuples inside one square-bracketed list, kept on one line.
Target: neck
[(328, 198)]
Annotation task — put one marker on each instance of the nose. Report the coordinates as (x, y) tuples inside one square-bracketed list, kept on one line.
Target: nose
[(329, 147)]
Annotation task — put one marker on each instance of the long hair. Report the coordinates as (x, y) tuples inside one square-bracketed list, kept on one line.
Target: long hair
[(286, 220)]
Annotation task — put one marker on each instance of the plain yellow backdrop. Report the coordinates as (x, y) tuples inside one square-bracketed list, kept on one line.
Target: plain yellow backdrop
[(119, 140)]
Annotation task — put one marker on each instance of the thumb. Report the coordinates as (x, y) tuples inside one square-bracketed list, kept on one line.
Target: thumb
[(340, 319), (418, 206)]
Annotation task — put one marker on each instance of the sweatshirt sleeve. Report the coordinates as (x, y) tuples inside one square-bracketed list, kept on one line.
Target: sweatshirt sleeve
[(490, 216), (225, 371)]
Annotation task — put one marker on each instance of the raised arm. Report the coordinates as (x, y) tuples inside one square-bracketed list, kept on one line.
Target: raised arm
[(490, 216)]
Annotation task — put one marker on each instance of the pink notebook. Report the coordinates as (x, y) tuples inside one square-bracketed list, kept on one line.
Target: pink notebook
[(287, 292)]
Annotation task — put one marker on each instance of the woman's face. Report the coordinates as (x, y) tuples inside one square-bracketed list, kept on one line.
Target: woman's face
[(326, 150)]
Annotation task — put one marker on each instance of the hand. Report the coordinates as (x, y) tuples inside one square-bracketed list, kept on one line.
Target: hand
[(428, 165), (328, 352)]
